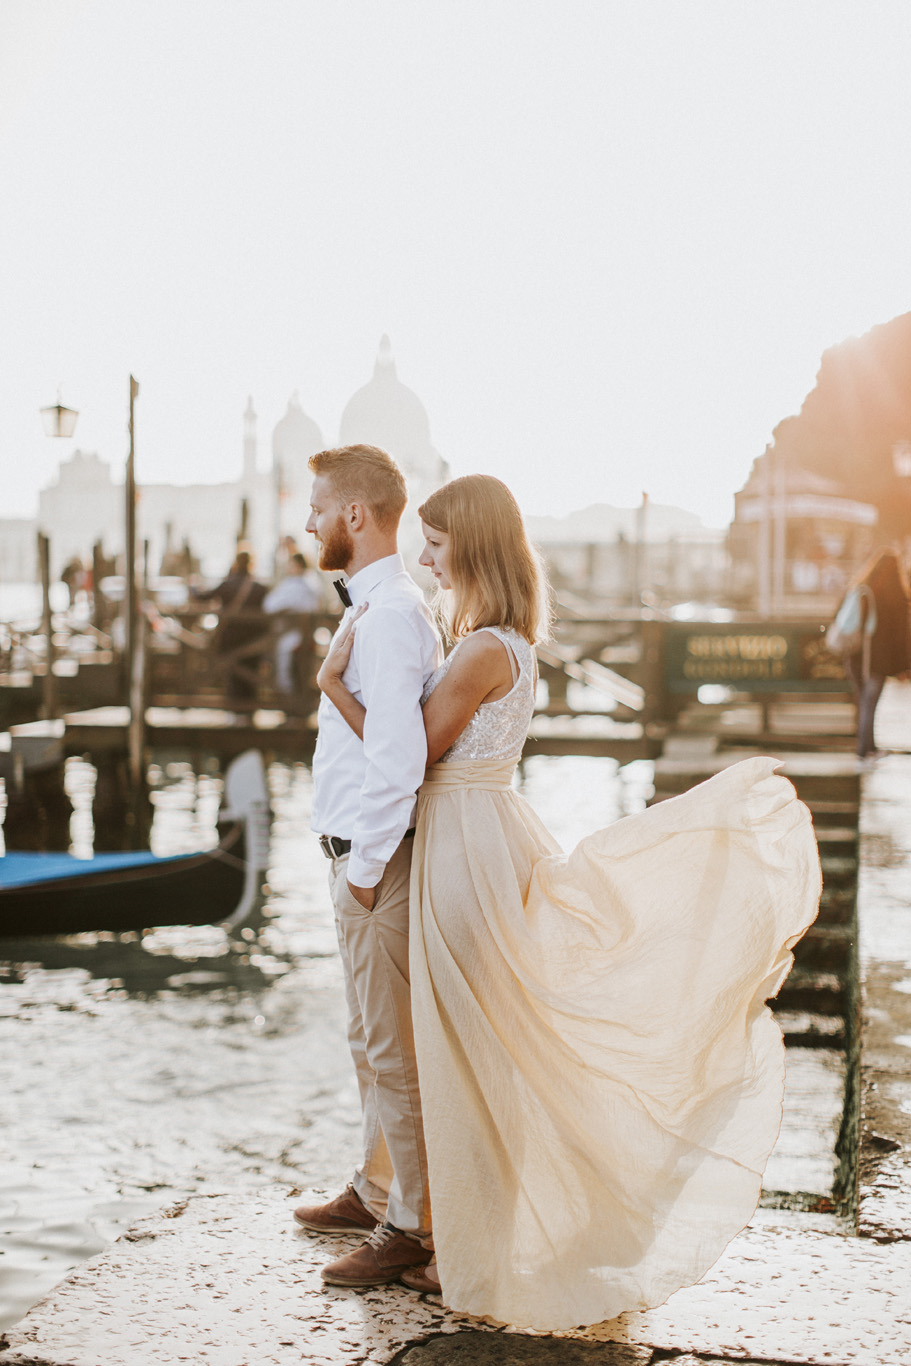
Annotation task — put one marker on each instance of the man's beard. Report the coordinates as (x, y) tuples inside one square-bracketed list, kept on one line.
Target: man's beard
[(336, 548)]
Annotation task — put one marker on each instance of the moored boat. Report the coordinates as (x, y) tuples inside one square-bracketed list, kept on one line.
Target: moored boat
[(58, 894)]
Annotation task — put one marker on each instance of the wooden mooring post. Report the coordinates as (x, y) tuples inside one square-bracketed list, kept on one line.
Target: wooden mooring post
[(136, 738), (49, 693), (138, 815)]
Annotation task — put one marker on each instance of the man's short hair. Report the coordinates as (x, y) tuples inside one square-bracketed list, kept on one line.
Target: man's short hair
[(365, 474)]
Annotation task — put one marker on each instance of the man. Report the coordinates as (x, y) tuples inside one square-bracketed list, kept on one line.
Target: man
[(240, 637), (363, 811), (295, 593)]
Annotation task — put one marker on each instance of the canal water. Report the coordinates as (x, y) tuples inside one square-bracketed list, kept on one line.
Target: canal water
[(138, 1070)]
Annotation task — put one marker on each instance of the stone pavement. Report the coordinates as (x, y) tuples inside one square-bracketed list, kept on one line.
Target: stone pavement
[(225, 1281), (230, 1282)]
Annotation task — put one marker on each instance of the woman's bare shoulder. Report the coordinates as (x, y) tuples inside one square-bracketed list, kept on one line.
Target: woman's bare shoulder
[(479, 651)]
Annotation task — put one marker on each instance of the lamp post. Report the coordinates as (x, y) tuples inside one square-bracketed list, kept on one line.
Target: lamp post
[(58, 420), (137, 815), (129, 596)]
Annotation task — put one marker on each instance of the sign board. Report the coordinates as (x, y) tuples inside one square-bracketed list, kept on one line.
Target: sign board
[(762, 657)]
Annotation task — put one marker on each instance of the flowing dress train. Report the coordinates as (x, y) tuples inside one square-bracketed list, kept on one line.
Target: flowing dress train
[(601, 1078)]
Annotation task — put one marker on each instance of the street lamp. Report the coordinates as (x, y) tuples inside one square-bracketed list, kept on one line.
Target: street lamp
[(59, 421)]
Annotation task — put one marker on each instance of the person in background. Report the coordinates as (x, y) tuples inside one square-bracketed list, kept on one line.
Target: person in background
[(287, 548), (239, 596), (296, 592), (889, 653), (73, 575)]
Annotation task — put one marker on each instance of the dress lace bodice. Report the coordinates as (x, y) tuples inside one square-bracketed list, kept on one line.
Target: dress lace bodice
[(498, 729)]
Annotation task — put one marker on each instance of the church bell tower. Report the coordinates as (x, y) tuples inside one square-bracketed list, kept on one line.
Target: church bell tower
[(249, 473)]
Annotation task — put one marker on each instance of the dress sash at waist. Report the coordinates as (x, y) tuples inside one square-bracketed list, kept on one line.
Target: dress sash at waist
[(494, 775)]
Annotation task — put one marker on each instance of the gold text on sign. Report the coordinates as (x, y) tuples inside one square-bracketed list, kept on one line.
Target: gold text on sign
[(732, 657)]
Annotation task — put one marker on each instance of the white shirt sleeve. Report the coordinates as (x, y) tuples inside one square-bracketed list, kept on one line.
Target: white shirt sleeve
[(389, 659)]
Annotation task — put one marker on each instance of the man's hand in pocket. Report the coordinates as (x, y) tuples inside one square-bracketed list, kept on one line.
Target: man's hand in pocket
[(364, 896)]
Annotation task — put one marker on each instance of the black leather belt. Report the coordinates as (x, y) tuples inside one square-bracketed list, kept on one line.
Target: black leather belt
[(333, 847)]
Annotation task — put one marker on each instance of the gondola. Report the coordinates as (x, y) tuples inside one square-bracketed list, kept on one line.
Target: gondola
[(58, 894)]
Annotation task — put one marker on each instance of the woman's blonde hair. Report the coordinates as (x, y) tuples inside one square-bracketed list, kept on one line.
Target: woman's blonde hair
[(497, 576)]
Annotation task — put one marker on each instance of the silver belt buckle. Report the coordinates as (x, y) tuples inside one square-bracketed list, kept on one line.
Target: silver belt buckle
[(325, 843)]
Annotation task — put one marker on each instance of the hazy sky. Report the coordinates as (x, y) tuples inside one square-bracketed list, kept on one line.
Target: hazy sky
[(609, 241)]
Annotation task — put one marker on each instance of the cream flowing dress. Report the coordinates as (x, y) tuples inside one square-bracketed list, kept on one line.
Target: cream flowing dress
[(601, 1078)]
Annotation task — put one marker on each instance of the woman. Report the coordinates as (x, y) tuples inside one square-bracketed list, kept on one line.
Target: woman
[(888, 651), (601, 1080)]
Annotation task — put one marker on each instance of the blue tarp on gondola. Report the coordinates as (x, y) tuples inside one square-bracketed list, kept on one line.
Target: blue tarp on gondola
[(24, 869)]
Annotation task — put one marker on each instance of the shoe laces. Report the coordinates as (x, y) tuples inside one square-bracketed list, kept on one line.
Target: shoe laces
[(382, 1234)]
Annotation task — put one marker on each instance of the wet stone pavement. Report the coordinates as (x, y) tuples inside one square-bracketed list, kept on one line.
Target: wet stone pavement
[(222, 1276), (227, 1280)]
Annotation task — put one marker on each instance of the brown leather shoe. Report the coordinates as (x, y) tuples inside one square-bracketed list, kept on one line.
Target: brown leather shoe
[(347, 1213), (385, 1255), (424, 1279)]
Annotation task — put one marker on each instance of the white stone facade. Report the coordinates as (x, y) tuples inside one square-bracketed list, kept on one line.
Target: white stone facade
[(18, 550), (85, 504)]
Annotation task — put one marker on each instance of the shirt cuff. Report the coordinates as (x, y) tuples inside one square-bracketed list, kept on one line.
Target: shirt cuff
[(363, 872)]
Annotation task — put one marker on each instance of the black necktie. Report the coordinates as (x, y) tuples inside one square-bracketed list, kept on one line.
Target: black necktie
[(341, 589)]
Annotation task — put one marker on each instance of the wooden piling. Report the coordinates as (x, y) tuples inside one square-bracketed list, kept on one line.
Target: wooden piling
[(129, 597), (138, 806), (49, 695), (98, 572)]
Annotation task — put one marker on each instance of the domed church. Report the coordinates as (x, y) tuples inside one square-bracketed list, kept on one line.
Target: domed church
[(384, 413)]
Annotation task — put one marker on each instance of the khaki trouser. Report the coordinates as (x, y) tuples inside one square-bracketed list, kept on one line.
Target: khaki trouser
[(392, 1180)]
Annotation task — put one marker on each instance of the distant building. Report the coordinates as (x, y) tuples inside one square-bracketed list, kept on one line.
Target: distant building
[(601, 554), (84, 505), (18, 550), (611, 556), (796, 538), (80, 507)]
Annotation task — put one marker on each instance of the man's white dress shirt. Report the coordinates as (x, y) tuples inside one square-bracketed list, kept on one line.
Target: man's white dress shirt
[(365, 791)]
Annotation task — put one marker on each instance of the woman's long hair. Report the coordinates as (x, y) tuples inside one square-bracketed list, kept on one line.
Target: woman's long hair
[(497, 576)]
